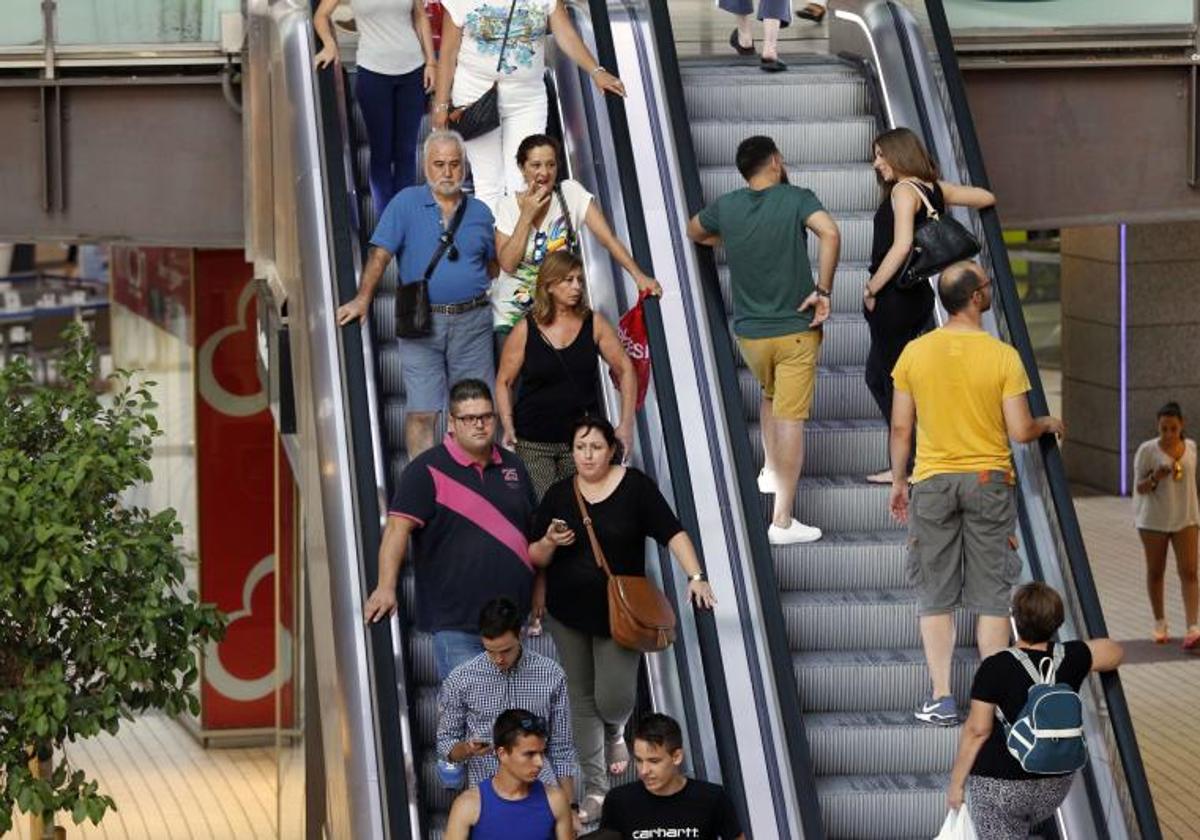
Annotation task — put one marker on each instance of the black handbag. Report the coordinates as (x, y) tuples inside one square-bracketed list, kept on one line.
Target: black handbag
[(939, 241), (482, 115), (414, 314)]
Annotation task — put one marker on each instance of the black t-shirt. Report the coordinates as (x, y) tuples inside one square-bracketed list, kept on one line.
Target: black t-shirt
[(701, 811), (576, 587), (1002, 680)]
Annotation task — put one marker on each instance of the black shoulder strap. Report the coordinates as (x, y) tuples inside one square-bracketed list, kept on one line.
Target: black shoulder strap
[(572, 238), (507, 29), (447, 237)]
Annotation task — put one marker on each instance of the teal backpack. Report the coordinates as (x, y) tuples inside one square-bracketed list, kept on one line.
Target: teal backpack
[(1047, 736)]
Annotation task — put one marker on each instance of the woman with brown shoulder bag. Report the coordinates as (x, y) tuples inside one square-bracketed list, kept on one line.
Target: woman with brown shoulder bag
[(593, 600)]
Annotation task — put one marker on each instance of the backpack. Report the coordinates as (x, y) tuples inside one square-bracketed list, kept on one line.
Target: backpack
[(1047, 736)]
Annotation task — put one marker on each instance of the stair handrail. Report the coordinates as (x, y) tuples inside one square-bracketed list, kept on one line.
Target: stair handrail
[(660, 368), (1068, 522)]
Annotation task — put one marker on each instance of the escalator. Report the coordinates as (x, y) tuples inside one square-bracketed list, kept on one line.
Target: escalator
[(839, 622), (371, 718)]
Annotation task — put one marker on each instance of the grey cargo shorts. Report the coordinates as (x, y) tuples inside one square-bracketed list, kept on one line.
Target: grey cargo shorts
[(961, 542)]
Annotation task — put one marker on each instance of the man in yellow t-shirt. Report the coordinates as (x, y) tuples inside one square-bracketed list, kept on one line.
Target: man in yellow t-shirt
[(966, 392)]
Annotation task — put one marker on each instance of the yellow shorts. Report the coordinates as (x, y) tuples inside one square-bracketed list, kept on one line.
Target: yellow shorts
[(786, 367)]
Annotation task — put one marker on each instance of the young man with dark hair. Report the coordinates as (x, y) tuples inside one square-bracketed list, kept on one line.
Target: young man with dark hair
[(665, 802), (965, 391), (504, 675), (777, 308), (513, 804)]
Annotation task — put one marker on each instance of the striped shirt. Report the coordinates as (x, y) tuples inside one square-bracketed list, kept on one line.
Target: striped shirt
[(475, 694)]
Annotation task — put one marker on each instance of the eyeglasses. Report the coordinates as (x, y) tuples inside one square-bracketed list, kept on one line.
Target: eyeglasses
[(475, 419)]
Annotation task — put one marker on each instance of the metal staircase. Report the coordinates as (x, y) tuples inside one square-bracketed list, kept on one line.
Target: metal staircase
[(851, 620)]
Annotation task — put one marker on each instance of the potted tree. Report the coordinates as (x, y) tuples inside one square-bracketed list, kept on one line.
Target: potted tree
[(95, 624)]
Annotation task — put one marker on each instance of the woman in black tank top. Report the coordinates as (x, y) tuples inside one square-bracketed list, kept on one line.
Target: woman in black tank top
[(909, 178), (553, 352)]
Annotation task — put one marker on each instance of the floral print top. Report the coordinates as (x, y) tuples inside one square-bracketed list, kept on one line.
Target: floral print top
[(483, 24)]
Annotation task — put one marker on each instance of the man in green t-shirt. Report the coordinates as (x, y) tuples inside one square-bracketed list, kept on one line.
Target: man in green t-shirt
[(777, 309)]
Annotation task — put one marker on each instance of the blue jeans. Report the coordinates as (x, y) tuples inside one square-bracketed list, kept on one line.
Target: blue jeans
[(392, 107), (459, 347), (452, 648)]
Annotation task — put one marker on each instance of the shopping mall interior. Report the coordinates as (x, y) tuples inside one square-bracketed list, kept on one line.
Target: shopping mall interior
[(181, 179)]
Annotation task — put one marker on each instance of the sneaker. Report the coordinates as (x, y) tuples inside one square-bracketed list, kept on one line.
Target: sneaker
[(939, 711), (797, 532), (451, 775), (766, 481)]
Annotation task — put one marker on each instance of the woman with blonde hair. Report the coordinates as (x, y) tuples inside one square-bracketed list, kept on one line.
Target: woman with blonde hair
[(896, 316), (553, 352)]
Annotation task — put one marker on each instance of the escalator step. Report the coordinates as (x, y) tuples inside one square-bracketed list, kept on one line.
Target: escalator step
[(391, 382), (736, 94), (872, 680), (882, 806), (834, 447), (843, 560), (858, 619), (840, 140), (383, 315), (845, 188), (878, 742), (842, 503)]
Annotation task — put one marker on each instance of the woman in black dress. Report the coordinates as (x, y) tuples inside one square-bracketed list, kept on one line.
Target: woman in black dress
[(626, 508), (911, 185)]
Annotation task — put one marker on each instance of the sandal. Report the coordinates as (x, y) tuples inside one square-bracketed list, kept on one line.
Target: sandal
[(590, 808), (1161, 634), (1192, 640), (615, 752), (813, 11), (736, 43)]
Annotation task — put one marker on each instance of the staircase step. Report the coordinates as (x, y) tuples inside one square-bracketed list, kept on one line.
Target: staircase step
[(838, 140), (873, 680), (843, 560), (840, 394), (878, 742), (867, 807), (848, 282), (743, 93), (837, 447), (853, 619), (841, 188)]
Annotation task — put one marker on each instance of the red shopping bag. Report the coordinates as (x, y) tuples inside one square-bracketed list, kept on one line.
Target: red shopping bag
[(433, 8), (631, 329)]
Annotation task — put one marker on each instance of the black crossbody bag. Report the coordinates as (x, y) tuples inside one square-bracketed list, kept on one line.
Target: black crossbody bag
[(938, 241), (414, 314), (483, 115)]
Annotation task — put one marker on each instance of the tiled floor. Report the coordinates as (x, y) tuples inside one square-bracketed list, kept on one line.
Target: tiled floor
[(167, 786)]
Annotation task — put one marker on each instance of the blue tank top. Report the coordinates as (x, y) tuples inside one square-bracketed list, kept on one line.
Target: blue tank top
[(503, 819)]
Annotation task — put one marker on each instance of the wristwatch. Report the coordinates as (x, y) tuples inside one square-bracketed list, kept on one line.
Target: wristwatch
[(823, 292), (699, 576)]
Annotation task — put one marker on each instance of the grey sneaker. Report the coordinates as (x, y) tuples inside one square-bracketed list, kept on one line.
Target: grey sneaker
[(939, 711)]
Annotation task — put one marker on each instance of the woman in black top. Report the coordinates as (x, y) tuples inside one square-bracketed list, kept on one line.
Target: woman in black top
[(553, 353), (1005, 801), (897, 316), (626, 508)]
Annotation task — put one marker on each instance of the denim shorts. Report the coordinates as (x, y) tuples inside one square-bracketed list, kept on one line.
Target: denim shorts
[(962, 545), (460, 347)]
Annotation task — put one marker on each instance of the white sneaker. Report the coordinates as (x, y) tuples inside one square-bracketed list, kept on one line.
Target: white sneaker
[(797, 532), (766, 481)]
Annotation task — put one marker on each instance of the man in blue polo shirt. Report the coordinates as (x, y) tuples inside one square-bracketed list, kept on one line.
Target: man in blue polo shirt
[(460, 345), (468, 505)]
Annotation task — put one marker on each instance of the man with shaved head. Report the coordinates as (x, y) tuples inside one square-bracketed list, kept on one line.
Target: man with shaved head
[(966, 391)]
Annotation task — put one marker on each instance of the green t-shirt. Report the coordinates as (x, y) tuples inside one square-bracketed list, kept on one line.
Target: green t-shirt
[(766, 246)]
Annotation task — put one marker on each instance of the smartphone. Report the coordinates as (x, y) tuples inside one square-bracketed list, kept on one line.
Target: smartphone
[(558, 525)]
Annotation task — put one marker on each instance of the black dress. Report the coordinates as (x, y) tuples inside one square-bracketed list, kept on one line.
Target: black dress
[(900, 315)]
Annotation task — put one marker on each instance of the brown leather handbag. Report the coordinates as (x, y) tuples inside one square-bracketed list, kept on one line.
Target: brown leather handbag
[(639, 615)]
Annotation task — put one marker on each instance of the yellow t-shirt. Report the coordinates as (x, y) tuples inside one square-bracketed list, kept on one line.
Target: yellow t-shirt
[(959, 381)]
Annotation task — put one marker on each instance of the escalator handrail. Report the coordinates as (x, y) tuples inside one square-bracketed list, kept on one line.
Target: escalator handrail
[(763, 566), (386, 703), (1080, 568), (685, 504)]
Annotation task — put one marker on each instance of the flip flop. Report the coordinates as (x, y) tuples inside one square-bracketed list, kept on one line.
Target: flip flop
[(615, 752)]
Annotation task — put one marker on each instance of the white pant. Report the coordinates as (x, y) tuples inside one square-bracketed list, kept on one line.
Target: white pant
[(493, 156)]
